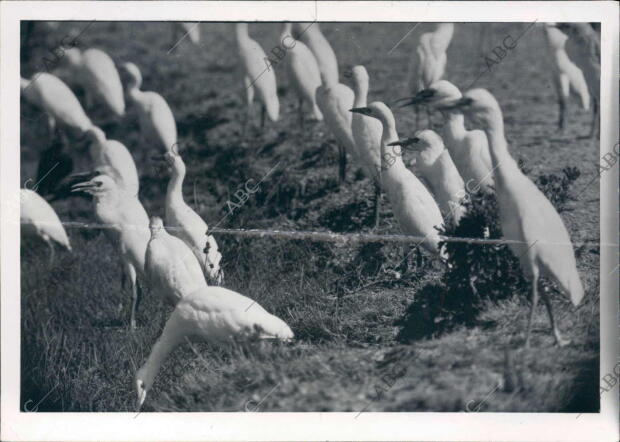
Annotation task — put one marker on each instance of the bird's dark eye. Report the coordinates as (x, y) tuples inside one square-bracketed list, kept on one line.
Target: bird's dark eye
[(211, 265)]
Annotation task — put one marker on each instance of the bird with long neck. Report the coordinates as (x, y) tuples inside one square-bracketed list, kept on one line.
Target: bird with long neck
[(127, 227), (257, 79), (213, 314), (469, 149), (311, 35), (170, 267), (433, 164), (367, 136), (303, 72), (186, 224), (541, 242), (158, 129), (413, 206)]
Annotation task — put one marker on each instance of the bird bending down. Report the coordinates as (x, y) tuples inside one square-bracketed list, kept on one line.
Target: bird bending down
[(39, 219), (127, 227), (95, 72), (543, 246), (158, 129), (413, 206), (303, 72), (566, 75), (435, 167), (258, 79), (311, 35), (367, 136), (469, 149), (334, 101), (186, 224), (170, 267), (215, 315)]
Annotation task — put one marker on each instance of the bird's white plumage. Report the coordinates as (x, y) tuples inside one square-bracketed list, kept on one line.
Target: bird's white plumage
[(259, 76), (335, 101), (170, 267), (311, 35), (186, 224), (60, 103), (96, 73), (39, 219), (157, 125), (213, 314), (428, 63)]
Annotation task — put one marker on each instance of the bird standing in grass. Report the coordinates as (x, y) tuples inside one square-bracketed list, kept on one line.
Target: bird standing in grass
[(258, 77), (434, 165), (334, 101), (158, 130), (303, 72), (542, 244), (469, 149), (127, 227), (39, 219), (215, 315), (186, 224), (94, 71), (566, 75), (367, 136), (413, 206), (311, 35), (170, 267)]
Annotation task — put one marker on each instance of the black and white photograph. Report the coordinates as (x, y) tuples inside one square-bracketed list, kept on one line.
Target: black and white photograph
[(266, 216)]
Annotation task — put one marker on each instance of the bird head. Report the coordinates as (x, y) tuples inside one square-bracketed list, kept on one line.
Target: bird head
[(438, 94), (479, 105), (98, 185), (212, 261), (94, 135), (72, 57), (426, 146), (378, 110), (156, 226), (360, 74), (131, 75), (172, 160)]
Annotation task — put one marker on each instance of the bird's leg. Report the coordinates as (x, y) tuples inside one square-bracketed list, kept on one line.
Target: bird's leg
[(51, 246), (595, 119), (562, 106), (131, 273), (262, 116), (249, 95), (532, 309), (342, 171), (377, 205), (301, 113), (556, 333)]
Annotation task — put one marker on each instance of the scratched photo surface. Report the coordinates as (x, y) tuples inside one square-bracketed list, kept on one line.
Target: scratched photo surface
[(183, 250)]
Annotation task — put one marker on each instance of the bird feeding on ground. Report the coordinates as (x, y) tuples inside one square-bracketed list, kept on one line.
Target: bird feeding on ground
[(434, 165), (303, 72), (334, 101), (541, 242), (39, 219), (413, 206), (158, 130), (186, 224), (215, 315), (170, 267), (311, 35), (94, 71), (566, 75), (367, 136), (126, 226), (257, 79), (469, 149)]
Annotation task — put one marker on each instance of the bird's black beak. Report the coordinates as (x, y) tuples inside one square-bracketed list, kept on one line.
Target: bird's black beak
[(407, 143), (457, 104), (361, 110), (82, 176), (85, 186), (423, 97)]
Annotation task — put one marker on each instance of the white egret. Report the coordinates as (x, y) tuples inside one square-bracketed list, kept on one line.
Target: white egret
[(258, 77), (127, 227), (469, 149), (434, 165), (96, 73), (171, 268), (566, 75), (311, 35), (215, 315), (303, 71), (413, 206), (186, 224), (367, 135), (158, 129), (543, 246), (181, 29), (334, 101), (39, 219)]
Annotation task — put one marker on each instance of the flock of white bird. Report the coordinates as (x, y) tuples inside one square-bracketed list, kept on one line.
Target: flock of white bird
[(180, 260)]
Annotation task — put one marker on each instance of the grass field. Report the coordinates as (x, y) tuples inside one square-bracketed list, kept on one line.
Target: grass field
[(78, 355)]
